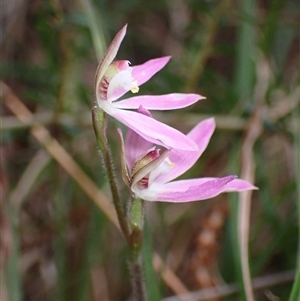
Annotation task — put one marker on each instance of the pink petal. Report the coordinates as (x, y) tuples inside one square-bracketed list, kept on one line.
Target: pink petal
[(184, 160), (160, 102), (186, 190), (109, 56), (144, 72), (153, 130)]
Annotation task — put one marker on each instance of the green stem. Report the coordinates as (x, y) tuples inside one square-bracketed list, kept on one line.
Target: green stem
[(137, 214), (135, 245), (137, 277), (99, 123)]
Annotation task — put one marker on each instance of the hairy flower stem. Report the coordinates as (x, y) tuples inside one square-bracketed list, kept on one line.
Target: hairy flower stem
[(133, 230), (99, 123), (135, 245)]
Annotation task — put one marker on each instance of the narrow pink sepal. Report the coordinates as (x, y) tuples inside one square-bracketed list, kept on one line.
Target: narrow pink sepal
[(182, 191), (234, 185), (153, 130), (142, 73), (160, 102), (109, 56)]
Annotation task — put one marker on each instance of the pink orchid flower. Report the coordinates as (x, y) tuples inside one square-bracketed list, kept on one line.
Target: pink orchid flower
[(114, 79), (151, 173)]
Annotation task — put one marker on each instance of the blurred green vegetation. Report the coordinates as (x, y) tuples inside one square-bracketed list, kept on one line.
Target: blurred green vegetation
[(243, 56)]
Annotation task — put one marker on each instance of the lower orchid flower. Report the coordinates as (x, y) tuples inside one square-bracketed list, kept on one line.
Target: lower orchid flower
[(149, 170), (114, 79)]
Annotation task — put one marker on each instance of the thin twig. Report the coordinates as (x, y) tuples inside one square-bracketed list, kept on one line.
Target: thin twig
[(229, 289), (253, 132), (223, 122), (169, 277), (244, 204), (28, 178), (189, 120)]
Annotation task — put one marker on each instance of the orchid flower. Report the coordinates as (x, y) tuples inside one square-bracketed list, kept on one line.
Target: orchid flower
[(114, 79), (152, 170)]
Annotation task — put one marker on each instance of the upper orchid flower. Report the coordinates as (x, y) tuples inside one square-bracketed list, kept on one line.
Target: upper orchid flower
[(150, 171), (114, 79)]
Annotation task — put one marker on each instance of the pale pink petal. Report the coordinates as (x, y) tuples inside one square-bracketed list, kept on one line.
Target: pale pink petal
[(153, 130), (109, 56), (185, 190), (159, 102), (193, 189), (184, 160), (142, 73)]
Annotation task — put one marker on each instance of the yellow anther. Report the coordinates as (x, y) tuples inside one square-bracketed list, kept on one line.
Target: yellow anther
[(134, 88)]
